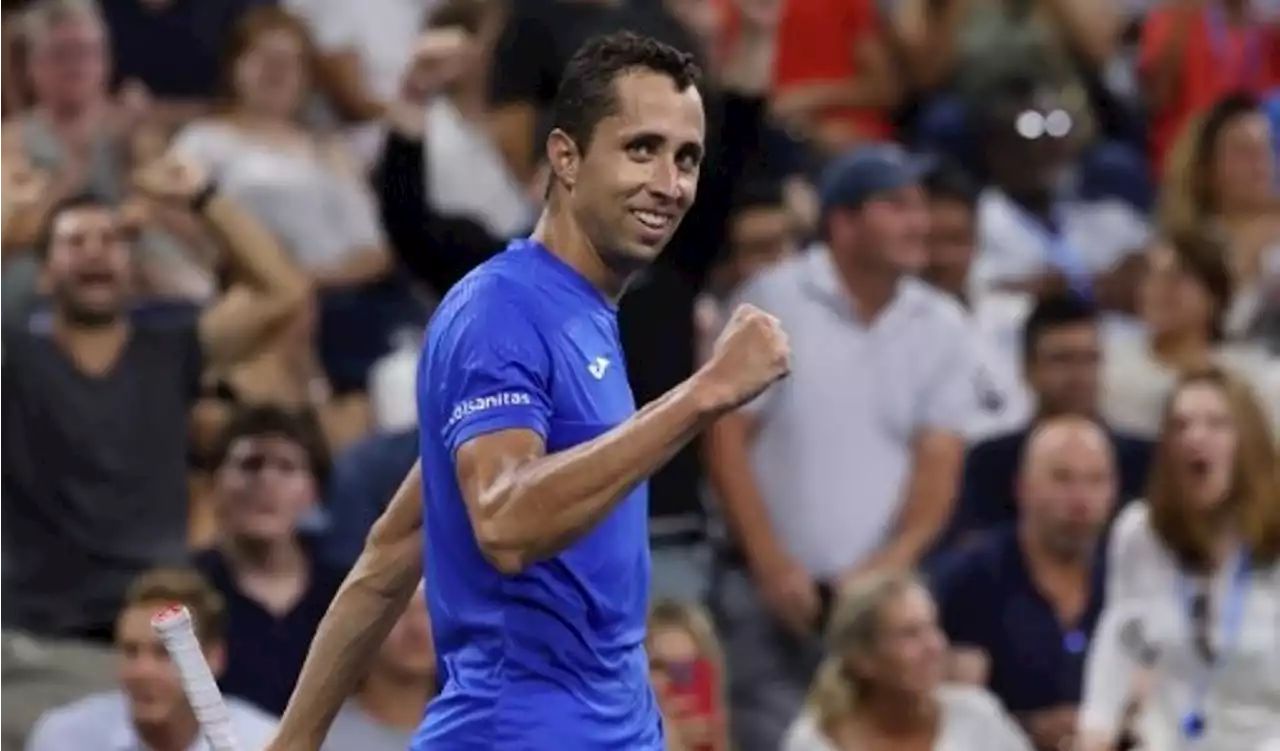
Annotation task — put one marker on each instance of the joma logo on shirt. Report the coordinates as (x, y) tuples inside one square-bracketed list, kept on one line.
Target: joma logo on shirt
[(480, 404)]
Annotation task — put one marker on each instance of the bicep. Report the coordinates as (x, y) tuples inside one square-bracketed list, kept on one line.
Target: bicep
[(487, 464)]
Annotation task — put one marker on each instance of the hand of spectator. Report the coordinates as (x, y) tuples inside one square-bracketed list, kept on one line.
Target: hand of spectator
[(23, 187), (171, 179), (440, 56), (791, 595), (797, 110), (1052, 728)]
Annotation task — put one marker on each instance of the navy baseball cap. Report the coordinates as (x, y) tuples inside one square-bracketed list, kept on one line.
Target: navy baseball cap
[(864, 172)]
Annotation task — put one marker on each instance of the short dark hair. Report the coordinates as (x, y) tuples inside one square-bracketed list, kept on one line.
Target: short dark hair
[(1054, 312), (187, 587), (271, 420), (82, 200), (586, 94), (1203, 255), (949, 181)]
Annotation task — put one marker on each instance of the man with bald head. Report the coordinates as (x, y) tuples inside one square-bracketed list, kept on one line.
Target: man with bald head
[(1020, 606)]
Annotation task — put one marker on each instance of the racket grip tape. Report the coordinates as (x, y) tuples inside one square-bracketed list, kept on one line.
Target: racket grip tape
[(173, 625)]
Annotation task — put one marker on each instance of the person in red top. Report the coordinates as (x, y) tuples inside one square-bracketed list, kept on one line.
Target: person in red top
[(1194, 52), (834, 79)]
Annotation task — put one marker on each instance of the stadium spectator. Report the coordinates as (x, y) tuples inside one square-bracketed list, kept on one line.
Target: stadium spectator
[(302, 187), (1221, 176), (1025, 600), (835, 84), (388, 706), (363, 480), (95, 414), (1031, 236), (1193, 583), (687, 665), (83, 141), (1186, 291), (851, 464), (149, 709), (1003, 398), (1192, 54), (1062, 355), (271, 466), (880, 684)]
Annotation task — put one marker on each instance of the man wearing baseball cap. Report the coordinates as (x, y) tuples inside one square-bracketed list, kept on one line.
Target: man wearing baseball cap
[(852, 463)]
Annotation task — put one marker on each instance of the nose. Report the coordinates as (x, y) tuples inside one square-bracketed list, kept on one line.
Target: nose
[(664, 181)]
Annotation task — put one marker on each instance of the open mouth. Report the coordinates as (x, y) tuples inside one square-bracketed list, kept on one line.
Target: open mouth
[(1199, 467), (654, 221)]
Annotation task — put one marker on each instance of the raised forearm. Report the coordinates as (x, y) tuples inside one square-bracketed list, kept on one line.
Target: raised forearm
[(535, 510), (366, 607), (256, 256)]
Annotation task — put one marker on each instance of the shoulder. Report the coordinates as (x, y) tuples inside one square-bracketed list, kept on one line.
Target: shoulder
[(978, 569), (1131, 533), (805, 735), (83, 719), (776, 284), (937, 317), (971, 704), (495, 297), (253, 727), (202, 136)]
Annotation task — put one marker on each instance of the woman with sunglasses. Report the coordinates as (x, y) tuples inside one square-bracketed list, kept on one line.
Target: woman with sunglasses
[(1193, 590)]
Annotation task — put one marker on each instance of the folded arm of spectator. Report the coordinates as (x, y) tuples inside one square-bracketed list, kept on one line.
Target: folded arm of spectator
[(877, 85), (1091, 28), (926, 35), (231, 331), (1162, 49)]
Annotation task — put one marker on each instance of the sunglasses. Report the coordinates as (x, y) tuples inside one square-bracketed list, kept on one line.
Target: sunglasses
[(1034, 125)]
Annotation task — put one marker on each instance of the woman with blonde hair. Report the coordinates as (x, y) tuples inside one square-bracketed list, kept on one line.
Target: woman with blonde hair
[(880, 685), (1193, 585), (687, 667)]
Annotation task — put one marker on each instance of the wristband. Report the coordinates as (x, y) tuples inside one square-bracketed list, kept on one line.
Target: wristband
[(203, 196)]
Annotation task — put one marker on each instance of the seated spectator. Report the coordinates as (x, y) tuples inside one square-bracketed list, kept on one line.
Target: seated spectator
[(1023, 603), (270, 468), (1192, 54), (150, 710), (688, 667), (1221, 174), (1031, 237), (82, 140), (1003, 399), (1186, 291), (880, 684), (95, 410), (1062, 351), (835, 84), (302, 189), (389, 704)]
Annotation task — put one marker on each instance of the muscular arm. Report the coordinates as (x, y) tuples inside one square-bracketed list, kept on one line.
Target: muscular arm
[(526, 505), (373, 596)]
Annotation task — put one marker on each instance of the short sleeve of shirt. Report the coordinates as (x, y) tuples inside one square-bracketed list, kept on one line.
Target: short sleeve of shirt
[(206, 144), (491, 366), (951, 400)]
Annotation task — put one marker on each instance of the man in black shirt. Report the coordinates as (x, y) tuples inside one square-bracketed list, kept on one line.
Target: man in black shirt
[(95, 427)]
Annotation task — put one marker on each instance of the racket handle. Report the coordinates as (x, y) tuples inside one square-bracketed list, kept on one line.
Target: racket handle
[(173, 624)]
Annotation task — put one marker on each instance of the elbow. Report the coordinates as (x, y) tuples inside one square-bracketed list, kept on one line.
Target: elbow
[(505, 553)]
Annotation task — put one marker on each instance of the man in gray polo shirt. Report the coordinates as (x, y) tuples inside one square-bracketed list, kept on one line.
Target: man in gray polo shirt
[(852, 463)]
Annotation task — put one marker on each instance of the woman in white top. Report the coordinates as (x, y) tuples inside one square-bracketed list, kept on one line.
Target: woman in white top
[(880, 686), (1193, 589), (1183, 298)]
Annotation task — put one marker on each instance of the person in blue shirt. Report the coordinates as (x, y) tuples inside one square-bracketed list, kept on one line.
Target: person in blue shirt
[(533, 458), (1020, 606)]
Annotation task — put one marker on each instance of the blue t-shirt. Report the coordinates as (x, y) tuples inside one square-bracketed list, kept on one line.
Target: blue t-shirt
[(552, 658)]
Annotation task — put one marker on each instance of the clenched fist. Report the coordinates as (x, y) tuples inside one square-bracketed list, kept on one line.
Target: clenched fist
[(751, 354)]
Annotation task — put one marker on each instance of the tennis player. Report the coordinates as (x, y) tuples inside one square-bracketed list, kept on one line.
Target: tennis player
[(535, 458)]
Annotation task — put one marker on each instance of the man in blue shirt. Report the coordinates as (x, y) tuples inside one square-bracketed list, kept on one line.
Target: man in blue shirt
[(534, 457)]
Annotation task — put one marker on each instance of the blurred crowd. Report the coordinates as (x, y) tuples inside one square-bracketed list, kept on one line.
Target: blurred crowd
[(225, 224)]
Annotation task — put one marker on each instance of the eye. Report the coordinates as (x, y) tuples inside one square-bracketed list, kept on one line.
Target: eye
[(642, 151), (688, 162)]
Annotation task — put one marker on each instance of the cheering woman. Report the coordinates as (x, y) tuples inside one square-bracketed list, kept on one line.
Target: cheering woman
[(1193, 591)]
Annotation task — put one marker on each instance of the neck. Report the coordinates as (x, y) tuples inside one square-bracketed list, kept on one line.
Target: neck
[(88, 339), (1181, 350), (560, 234), (872, 289), (469, 96), (177, 734), (1061, 567), (256, 120), (280, 557), (1038, 203), (395, 701), (899, 715), (72, 114)]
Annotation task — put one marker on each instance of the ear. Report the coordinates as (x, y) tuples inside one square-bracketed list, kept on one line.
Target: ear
[(564, 157)]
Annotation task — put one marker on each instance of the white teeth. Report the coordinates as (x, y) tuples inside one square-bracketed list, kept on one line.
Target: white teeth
[(652, 220)]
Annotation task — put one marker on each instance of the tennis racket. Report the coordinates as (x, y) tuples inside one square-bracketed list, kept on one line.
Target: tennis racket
[(173, 625)]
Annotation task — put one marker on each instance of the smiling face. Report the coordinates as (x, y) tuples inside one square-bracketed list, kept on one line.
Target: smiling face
[(636, 177)]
